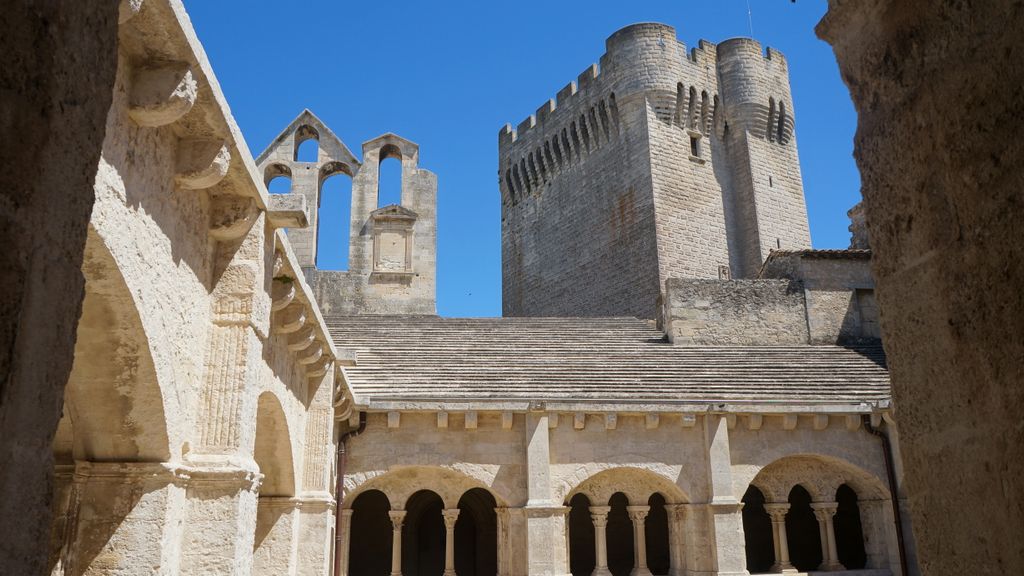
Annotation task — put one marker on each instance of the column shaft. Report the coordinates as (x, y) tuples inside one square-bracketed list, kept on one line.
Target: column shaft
[(397, 517), (599, 514), (638, 514), (450, 517), (778, 514), (825, 512)]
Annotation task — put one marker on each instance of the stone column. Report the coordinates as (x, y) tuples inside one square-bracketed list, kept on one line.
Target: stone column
[(450, 517), (825, 512), (397, 517), (722, 515), (346, 538), (599, 514), (676, 539), (315, 530), (638, 514), (225, 479), (547, 547), (778, 515)]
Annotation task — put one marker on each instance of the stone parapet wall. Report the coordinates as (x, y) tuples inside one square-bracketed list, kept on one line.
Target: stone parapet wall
[(735, 312)]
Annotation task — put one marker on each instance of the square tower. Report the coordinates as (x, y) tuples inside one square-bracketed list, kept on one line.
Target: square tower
[(659, 164)]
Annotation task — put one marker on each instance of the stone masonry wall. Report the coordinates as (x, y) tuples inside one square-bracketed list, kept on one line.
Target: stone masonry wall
[(736, 312), (839, 290)]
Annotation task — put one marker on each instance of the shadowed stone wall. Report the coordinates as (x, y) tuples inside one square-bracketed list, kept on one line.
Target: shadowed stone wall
[(59, 60), (937, 87)]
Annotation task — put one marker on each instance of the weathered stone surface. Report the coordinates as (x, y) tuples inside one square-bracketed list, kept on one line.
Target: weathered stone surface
[(633, 178), (937, 87), (735, 312), (57, 74)]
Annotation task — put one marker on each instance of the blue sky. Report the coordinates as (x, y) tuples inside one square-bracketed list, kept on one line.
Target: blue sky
[(448, 75)]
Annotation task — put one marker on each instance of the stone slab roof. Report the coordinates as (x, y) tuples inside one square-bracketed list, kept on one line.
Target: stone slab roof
[(402, 360)]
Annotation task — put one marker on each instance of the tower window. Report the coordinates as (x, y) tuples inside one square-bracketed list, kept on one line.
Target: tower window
[(695, 146)]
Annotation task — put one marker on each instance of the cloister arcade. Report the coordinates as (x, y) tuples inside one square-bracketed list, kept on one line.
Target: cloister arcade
[(800, 514)]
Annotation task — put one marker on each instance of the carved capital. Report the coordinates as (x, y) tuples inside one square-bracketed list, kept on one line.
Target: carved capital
[(599, 514), (638, 513), (201, 164), (450, 517), (397, 517), (231, 216), (824, 510), (161, 93), (777, 511)]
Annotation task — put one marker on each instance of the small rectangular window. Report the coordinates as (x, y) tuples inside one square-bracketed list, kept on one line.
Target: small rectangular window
[(695, 146)]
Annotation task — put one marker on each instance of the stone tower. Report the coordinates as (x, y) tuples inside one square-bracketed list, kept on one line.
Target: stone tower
[(660, 164), (392, 249)]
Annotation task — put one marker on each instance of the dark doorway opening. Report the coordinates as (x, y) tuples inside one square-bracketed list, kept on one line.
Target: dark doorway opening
[(656, 535), (476, 535), (423, 535), (582, 559), (849, 532), (620, 536), (371, 535), (802, 531), (757, 532)]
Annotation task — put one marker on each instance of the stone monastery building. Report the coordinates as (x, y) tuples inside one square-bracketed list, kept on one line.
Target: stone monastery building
[(679, 385)]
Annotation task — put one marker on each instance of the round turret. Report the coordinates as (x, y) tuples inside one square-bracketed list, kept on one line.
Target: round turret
[(643, 57)]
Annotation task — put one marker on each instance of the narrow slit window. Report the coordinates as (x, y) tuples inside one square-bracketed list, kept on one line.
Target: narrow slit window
[(695, 146)]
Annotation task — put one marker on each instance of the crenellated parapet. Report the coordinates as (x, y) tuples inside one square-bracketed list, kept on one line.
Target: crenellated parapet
[(689, 153)]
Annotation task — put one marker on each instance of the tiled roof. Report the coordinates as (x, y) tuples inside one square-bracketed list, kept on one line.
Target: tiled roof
[(609, 360)]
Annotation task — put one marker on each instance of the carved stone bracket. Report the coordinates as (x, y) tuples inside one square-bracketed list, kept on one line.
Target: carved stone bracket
[(202, 163), (281, 294), (291, 318), (231, 216), (162, 93), (302, 339)]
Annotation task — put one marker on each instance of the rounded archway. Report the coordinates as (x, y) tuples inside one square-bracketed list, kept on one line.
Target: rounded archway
[(476, 534), (113, 405), (757, 532), (621, 555), (371, 535), (273, 449), (656, 535), (848, 529), (582, 551), (423, 535), (802, 531)]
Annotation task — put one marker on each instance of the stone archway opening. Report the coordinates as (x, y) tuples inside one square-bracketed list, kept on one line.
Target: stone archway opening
[(476, 534), (848, 529), (757, 532), (582, 559), (276, 513), (370, 537), (113, 432), (802, 531), (659, 560), (621, 555), (423, 535)]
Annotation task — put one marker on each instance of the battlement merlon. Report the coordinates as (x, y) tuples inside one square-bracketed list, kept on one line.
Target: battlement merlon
[(648, 58)]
